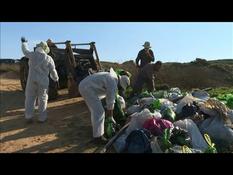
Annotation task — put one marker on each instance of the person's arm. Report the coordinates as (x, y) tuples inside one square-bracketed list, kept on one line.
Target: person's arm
[(109, 113), (26, 51), (111, 88), (152, 55), (52, 70), (138, 59)]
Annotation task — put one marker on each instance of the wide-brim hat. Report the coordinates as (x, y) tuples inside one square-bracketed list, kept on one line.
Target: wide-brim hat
[(146, 44)]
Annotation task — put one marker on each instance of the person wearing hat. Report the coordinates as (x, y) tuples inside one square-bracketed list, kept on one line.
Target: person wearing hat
[(41, 66), (98, 86), (145, 56)]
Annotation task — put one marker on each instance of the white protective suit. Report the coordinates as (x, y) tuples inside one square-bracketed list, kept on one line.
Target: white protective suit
[(94, 88), (40, 65)]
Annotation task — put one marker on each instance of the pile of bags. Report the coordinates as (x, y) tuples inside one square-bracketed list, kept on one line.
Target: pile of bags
[(172, 122)]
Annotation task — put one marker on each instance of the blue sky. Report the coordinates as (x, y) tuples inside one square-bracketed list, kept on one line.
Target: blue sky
[(121, 41)]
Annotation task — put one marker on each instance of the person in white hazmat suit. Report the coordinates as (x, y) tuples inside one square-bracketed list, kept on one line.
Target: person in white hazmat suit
[(40, 66), (96, 87)]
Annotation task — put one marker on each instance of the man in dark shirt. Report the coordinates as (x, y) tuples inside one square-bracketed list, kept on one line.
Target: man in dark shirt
[(145, 56), (146, 76)]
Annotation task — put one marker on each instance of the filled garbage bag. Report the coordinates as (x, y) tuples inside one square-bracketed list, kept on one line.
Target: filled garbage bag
[(138, 141), (145, 94), (132, 109), (138, 119), (188, 99), (188, 110), (119, 144), (118, 110), (155, 147), (164, 140), (160, 94), (121, 101), (176, 90), (165, 103), (157, 114), (173, 96), (217, 130), (156, 125), (174, 93), (180, 137), (155, 105), (197, 140), (123, 72), (109, 128), (201, 94), (215, 108), (146, 101), (169, 114), (118, 113)]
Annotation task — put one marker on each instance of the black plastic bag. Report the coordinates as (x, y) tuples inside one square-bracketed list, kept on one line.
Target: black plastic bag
[(188, 110), (138, 141)]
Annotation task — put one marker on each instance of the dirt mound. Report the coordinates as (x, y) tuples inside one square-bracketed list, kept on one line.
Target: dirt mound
[(197, 74), (128, 65)]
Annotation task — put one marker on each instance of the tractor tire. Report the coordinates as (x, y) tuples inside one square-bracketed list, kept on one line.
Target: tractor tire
[(23, 72), (53, 87), (53, 90)]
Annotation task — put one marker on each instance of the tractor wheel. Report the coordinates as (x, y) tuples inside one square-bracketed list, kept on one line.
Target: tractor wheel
[(23, 72), (53, 88)]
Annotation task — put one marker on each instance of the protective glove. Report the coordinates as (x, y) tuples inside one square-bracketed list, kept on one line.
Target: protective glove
[(111, 120), (110, 125), (23, 40)]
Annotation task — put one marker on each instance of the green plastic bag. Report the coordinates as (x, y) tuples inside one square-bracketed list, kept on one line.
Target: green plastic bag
[(109, 128), (160, 94), (145, 94), (128, 92), (169, 114), (118, 113), (164, 140), (123, 72), (154, 105)]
